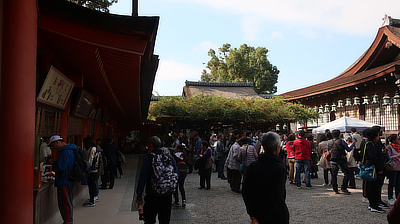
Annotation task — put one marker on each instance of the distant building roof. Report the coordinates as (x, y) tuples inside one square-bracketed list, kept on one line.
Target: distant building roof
[(232, 90), (380, 59)]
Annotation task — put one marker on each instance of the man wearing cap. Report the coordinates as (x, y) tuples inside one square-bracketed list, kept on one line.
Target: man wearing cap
[(62, 166)]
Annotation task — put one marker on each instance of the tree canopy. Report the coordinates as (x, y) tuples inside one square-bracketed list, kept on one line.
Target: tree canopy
[(246, 64), (202, 108), (99, 5)]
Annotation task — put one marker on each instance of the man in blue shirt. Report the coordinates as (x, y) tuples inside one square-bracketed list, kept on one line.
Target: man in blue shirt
[(197, 144), (62, 166)]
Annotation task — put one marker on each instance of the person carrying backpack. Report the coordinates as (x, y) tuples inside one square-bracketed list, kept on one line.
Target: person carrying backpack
[(93, 158), (159, 174), (181, 160), (64, 162)]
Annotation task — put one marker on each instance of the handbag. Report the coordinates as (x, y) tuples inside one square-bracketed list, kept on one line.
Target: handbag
[(389, 164), (328, 154), (242, 167), (367, 173)]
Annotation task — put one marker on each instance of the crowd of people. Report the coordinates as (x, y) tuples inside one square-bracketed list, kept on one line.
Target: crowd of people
[(301, 156), (102, 159), (250, 162)]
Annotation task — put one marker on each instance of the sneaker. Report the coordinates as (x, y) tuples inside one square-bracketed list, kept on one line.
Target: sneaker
[(325, 185), (183, 203), (291, 182), (89, 204), (298, 186), (383, 205), (346, 192), (365, 199), (96, 198), (336, 192), (176, 204), (378, 210), (391, 201), (310, 187)]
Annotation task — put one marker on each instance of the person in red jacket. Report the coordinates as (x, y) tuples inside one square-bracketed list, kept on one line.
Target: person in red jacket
[(302, 151)]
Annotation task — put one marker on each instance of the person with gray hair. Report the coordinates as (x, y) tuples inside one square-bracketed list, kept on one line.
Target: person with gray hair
[(156, 202), (264, 190)]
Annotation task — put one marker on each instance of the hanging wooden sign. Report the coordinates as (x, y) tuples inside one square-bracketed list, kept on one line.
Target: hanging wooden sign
[(56, 89)]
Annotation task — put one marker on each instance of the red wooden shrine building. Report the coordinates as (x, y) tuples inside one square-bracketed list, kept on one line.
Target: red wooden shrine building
[(367, 90), (71, 71)]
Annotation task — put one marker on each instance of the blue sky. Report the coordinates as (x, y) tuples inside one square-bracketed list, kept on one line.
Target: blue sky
[(310, 41)]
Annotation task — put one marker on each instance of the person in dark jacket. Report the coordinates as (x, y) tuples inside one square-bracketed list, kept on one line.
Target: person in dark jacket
[(373, 156), (338, 161), (153, 204), (221, 156), (111, 153), (264, 190)]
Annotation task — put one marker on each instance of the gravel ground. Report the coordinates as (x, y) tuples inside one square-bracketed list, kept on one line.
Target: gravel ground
[(318, 205)]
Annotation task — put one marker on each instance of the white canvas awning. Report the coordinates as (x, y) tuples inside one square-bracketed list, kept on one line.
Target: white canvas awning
[(344, 124)]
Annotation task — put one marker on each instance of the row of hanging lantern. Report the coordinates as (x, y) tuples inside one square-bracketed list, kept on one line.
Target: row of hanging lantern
[(356, 101)]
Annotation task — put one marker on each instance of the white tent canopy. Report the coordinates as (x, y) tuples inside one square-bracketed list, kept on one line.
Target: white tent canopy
[(344, 124)]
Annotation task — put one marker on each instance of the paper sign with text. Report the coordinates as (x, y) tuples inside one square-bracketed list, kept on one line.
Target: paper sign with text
[(56, 89)]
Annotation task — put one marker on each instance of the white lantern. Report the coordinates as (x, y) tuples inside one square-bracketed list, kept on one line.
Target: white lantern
[(321, 109), (340, 103), (386, 99), (356, 100), (348, 102), (396, 99), (326, 110), (375, 98), (365, 100), (333, 107)]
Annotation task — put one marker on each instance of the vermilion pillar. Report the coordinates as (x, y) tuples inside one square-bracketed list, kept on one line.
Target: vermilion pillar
[(17, 110)]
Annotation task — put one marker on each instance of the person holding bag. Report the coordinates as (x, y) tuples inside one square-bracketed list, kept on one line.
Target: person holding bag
[(393, 149), (248, 154), (372, 155), (205, 165), (323, 147)]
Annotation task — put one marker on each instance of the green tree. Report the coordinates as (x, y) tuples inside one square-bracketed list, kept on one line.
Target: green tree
[(99, 5), (246, 64)]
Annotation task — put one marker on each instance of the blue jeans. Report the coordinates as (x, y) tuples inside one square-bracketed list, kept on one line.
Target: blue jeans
[(307, 168)]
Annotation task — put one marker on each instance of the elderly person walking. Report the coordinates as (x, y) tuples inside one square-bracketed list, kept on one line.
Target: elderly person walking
[(233, 165), (267, 175)]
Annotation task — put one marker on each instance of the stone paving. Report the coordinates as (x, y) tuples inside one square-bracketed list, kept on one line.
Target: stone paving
[(318, 205), (221, 205)]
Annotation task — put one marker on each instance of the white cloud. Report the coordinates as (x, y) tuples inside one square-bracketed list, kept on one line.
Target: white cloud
[(176, 70), (309, 34), (276, 34), (355, 17), (171, 77), (205, 46), (250, 26)]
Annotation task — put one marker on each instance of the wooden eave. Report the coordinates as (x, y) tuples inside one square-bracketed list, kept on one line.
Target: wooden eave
[(112, 53), (380, 59)]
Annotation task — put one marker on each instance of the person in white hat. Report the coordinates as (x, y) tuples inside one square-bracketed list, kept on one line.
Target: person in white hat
[(62, 166)]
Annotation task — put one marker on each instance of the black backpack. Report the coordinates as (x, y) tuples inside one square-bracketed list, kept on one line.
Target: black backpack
[(164, 179), (81, 168)]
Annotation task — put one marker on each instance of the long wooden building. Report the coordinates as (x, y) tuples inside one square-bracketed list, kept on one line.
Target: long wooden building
[(367, 90)]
